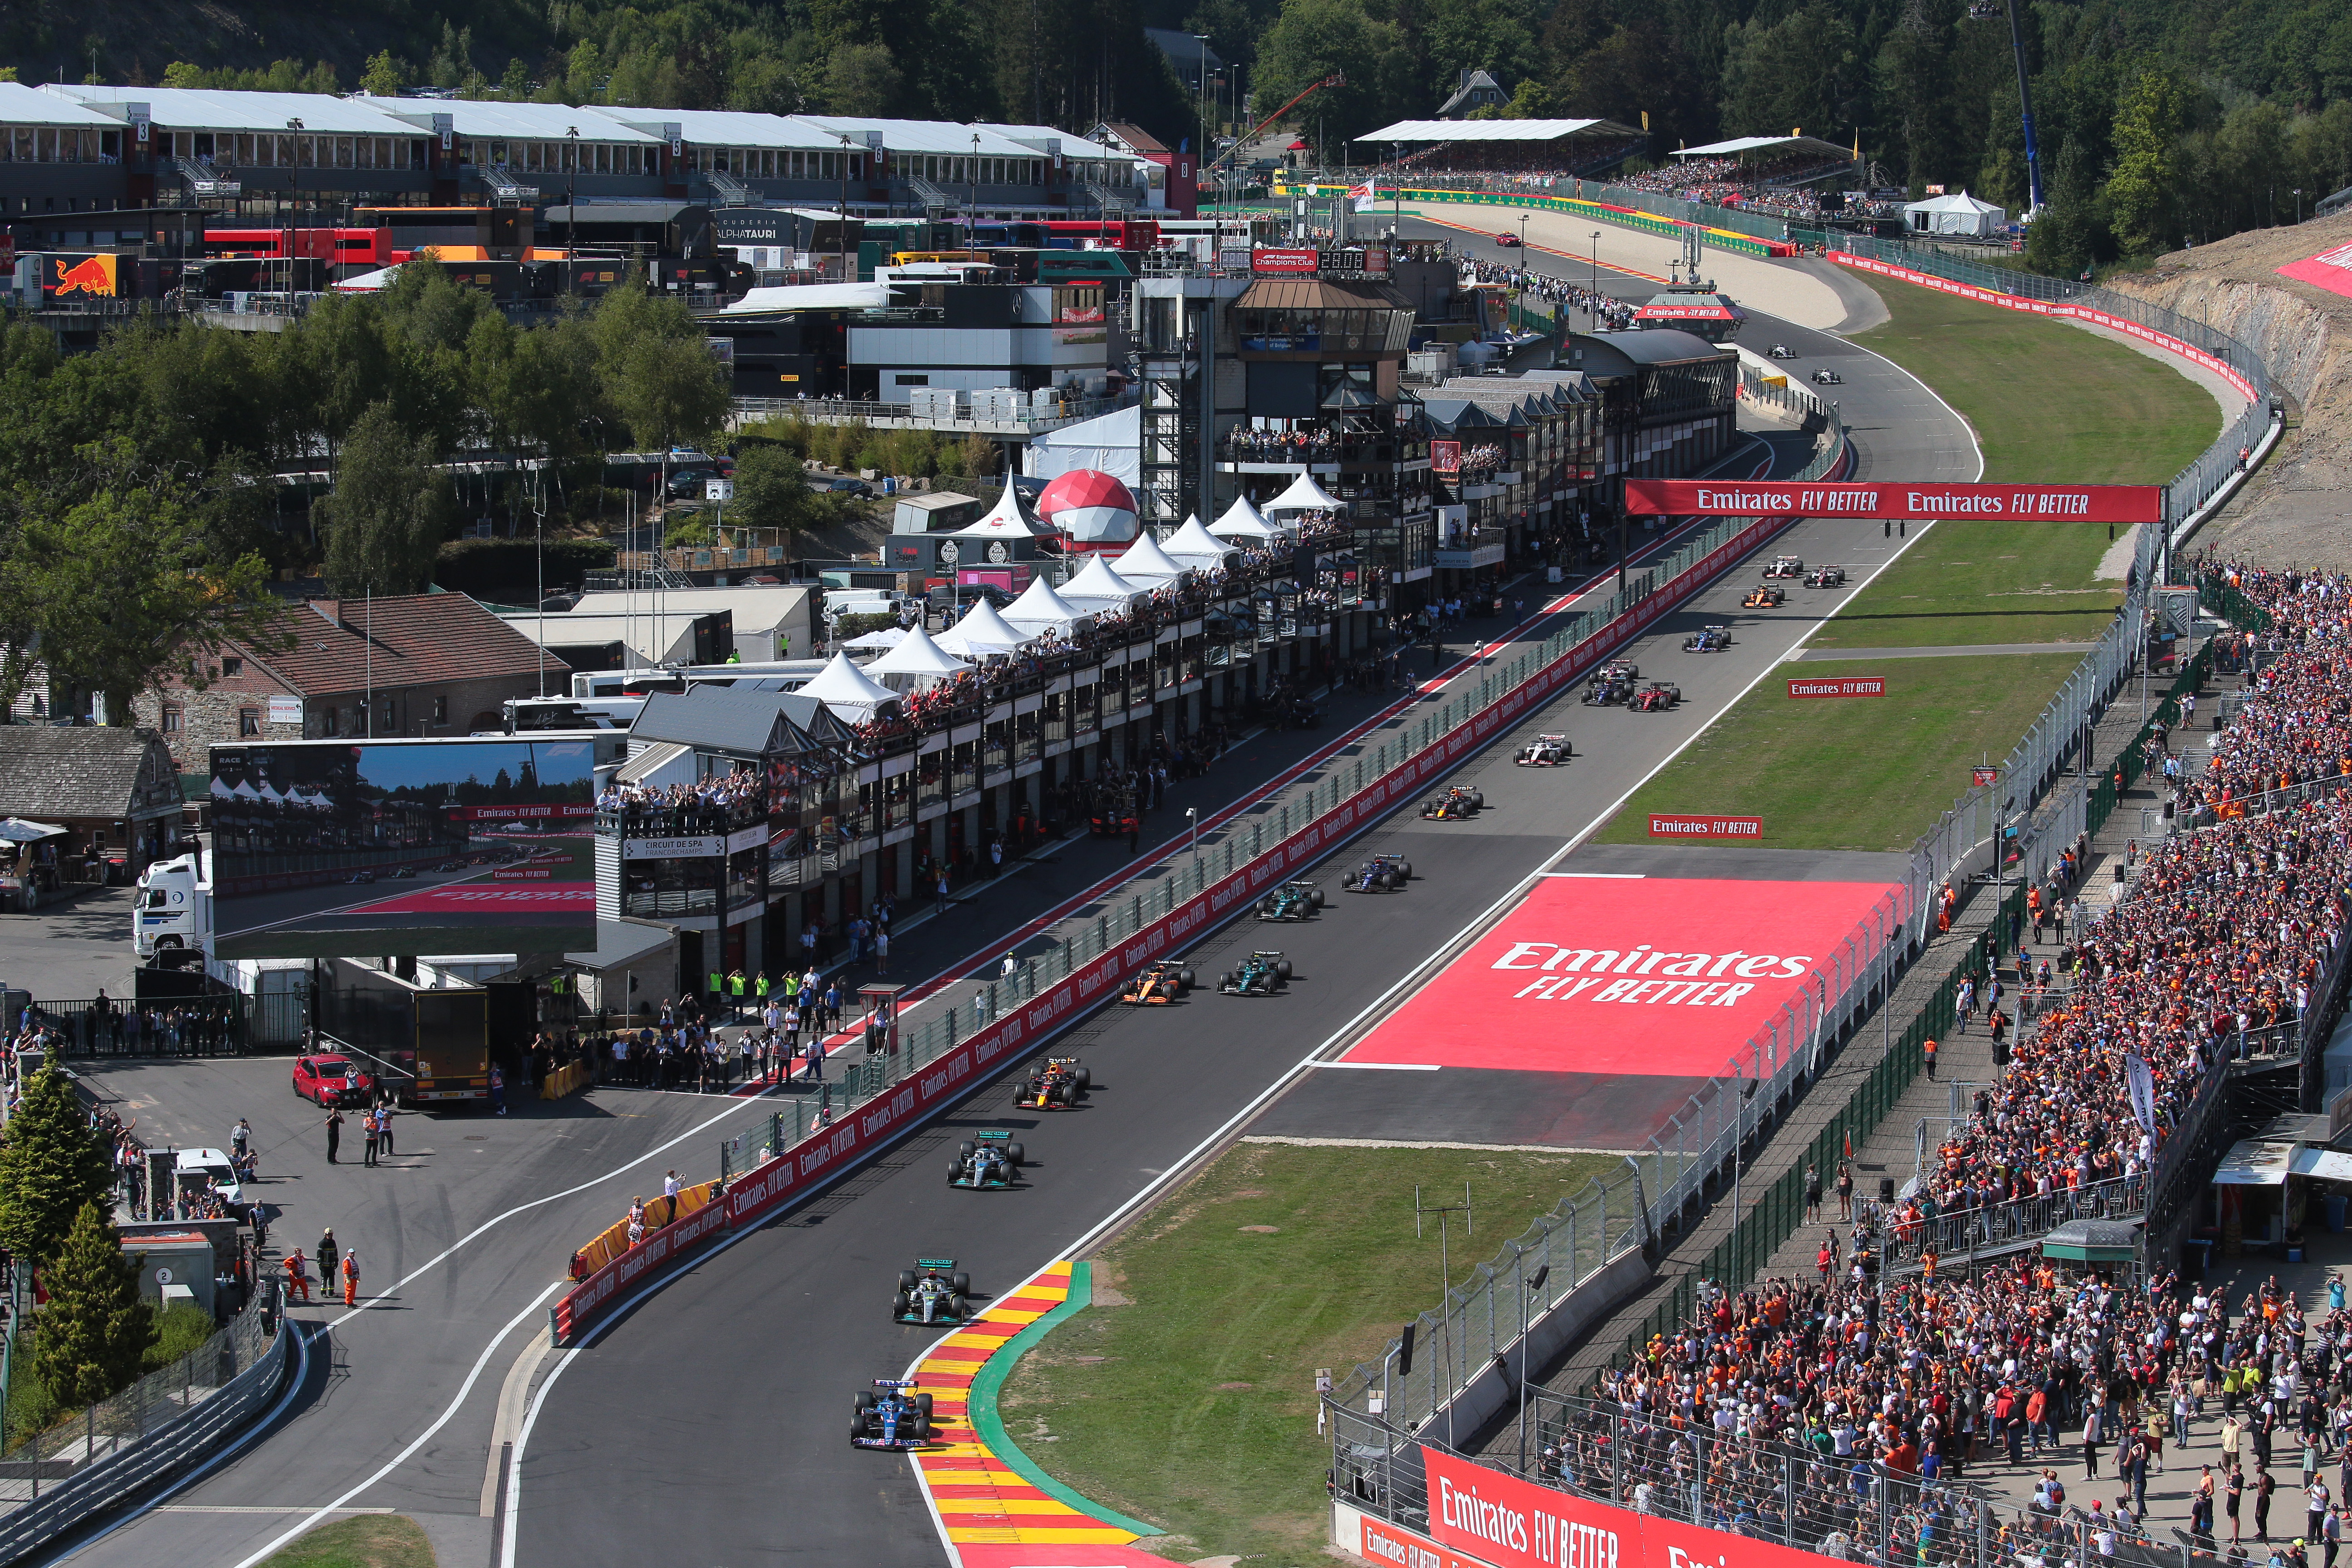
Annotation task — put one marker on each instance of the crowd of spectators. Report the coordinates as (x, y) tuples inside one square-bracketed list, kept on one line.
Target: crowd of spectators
[(1825, 1390), (711, 804), (1612, 314)]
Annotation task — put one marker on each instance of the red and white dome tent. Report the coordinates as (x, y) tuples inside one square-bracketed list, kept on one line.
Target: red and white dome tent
[(1091, 510)]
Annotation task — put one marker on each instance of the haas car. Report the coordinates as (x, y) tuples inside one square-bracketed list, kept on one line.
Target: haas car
[(1294, 901), (1765, 596), (1261, 973), (1058, 1085), (932, 1291), (1164, 980), (1825, 577), (1827, 377), (1382, 874), (988, 1159), (897, 1417), (1658, 697), (1711, 639), (1544, 752), (1611, 683), (1785, 566), (1458, 802)]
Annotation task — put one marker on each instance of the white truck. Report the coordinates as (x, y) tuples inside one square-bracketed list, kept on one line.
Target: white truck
[(175, 908)]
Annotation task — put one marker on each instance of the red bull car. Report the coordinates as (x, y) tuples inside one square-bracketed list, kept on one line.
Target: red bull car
[(898, 1418), (1458, 802), (1058, 1085)]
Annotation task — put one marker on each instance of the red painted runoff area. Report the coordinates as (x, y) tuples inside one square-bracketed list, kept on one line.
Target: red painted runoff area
[(484, 898), (1660, 977), (2330, 269)]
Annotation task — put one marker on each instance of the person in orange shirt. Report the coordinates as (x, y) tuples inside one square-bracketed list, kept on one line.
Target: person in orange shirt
[(298, 1274), (350, 1279)]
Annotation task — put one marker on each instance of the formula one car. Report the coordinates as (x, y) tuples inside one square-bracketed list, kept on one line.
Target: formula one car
[(1781, 351), (985, 1160), (1113, 814), (1058, 1085), (1785, 566), (1544, 752), (1826, 377), (932, 1291), (1765, 596), (898, 1418), (1263, 974), (1611, 683), (1711, 639), (1658, 697), (1294, 901), (1825, 577), (1459, 801), (1382, 874), (1163, 980)]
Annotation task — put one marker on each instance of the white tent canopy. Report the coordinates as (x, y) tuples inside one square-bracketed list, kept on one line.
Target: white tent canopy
[(875, 641), (1304, 494), (1040, 609), (18, 830), (1195, 545), (1110, 443), (842, 684), (918, 660), (1145, 561), (1241, 522), (1008, 518), (1099, 584), (811, 297), (1962, 214), (982, 631), (1493, 130)]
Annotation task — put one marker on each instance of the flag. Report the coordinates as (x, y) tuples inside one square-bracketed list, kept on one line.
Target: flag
[(2143, 1092), (1363, 195)]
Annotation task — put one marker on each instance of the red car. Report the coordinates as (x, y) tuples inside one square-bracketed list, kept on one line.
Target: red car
[(1506, 238), (332, 1081)]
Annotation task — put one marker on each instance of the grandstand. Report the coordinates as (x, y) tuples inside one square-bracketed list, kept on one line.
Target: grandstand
[(1557, 148)]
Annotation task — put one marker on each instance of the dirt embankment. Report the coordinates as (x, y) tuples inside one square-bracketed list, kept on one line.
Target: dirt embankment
[(2293, 509)]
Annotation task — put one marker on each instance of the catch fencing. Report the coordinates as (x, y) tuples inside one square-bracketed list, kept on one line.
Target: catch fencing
[(931, 1060), (149, 1432)]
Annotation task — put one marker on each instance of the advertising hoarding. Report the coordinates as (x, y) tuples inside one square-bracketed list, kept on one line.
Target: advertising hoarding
[(1897, 499), (1838, 685), (343, 849)]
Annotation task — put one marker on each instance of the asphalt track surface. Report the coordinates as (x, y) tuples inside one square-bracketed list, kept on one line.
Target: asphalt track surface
[(738, 1367), (703, 1427)]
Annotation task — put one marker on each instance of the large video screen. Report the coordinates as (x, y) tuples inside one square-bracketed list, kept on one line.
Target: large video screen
[(330, 849)]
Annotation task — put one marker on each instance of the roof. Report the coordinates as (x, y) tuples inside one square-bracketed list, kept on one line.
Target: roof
[(22, 105), (714, 719), (618, 212), (926, 136), (727, 127), (1962, 202), (211, 108), (52, 772), (1474, 83), (1655, 345), (1318, 294), (403, 639), (525, 122), (1134, 137), (617, 942), (1739, 144), (810, 297), (1494, 130), (756, 609)]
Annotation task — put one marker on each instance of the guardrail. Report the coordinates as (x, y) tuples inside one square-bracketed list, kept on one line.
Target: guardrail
[(938, 1059), (149, 1432)]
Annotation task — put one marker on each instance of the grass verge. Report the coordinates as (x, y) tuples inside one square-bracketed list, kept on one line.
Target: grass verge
[(2049, 403), (1185, 1395), (368, 1541), (1857, 773)]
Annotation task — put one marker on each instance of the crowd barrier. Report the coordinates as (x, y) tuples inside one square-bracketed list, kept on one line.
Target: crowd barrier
[(662, 1214), (951, 1053), (570, 1079)]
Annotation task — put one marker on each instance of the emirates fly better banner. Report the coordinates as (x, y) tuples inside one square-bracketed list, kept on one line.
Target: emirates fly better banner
[(1513, 1523), (1893, 498)]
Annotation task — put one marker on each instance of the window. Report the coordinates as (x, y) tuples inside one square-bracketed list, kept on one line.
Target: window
[(248, 720), (440, 709), (912, 380), (330, 720), (232, 666), (389, 722), (604, 159), (171, 720)]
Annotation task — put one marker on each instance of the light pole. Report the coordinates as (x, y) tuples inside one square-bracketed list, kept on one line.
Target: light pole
[(571, 197), (972, 214), (1192, 821), (1592, 306), (845, 277)]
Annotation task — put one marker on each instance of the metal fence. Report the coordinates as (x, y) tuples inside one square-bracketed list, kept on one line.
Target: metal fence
[(148, 1432), (217, 1023), (1762, 1488)]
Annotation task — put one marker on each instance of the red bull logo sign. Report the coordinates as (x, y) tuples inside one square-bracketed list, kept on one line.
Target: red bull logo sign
[(92, 275)]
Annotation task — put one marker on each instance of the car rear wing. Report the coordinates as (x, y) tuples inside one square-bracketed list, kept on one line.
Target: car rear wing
[(895, 1382), (935, 1263), (994, 1135)]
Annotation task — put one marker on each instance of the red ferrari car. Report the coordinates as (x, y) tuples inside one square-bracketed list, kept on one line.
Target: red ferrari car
[(1506, 238), (332, 1081)]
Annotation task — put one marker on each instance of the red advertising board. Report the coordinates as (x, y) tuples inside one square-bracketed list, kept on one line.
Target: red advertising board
[(909, 1104), (1893, 498), (1291, 262), (1697, 824), (1514, 1523), (1401, 1548), (1658, 976), (1838, 686)]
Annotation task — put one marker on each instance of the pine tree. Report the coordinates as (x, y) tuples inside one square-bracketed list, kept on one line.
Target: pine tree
[(94, 1332), (51, 1163)]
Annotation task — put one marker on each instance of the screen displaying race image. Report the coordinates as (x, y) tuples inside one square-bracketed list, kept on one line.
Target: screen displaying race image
[(330, 849)]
